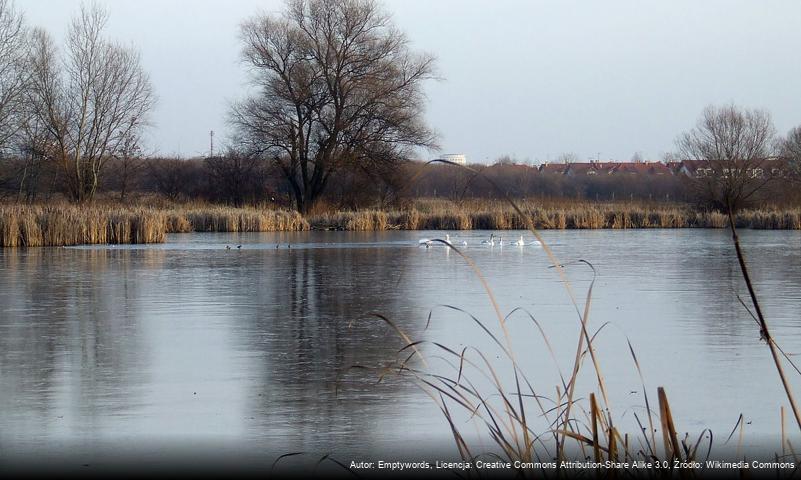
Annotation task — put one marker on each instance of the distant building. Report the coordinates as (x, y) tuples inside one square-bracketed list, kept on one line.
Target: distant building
[(768, 168), (592, 168), (598, 168), (644, 168), (457, 158), (554, 168)]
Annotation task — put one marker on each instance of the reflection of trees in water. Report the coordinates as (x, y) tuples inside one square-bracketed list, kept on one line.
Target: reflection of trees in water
[(69, 346), (713, 282), (311, 323)]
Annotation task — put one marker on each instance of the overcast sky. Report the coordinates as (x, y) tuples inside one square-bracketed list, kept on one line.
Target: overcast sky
[(525, 78)]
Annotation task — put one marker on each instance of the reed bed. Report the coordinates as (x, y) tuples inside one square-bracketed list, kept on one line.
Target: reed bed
[(66, 224), (587, 216), (224, 219), (362, 220), (39, 226)]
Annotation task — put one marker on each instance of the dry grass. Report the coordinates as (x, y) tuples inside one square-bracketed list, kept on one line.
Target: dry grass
[(491, 215), (363, 220), (37, 226), (226, 219), (66, 224)]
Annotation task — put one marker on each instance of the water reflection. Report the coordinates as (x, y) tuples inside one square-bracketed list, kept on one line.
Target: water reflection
[(187, 342)]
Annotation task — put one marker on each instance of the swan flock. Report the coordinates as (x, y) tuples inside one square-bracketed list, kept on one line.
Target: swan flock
[(491, 241)]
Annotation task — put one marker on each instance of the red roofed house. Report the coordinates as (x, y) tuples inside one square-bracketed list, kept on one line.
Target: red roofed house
[(765, 168), (645, 168), (592, 168), (696, 168), (554, 168)]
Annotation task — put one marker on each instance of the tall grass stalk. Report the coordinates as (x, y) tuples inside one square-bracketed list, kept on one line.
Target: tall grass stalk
[(763, 324)]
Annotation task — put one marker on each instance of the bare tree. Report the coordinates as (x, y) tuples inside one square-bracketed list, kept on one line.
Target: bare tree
[(732, 144), (790, 150), (235, 175), (169, 176), (337, 86), (13, 74), (90, 102), (567, 157), (128, 161)]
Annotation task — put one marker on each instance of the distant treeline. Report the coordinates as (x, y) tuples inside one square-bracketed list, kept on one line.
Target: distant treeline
[(238, 180)]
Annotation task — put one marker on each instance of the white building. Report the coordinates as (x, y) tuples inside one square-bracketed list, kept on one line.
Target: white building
[(457, 158)]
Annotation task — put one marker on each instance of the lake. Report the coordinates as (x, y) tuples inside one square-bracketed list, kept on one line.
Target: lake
[(169, 350)]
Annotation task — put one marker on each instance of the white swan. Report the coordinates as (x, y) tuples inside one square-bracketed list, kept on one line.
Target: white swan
[(490, 242), (427, 242), (448, 239), (520, 243)]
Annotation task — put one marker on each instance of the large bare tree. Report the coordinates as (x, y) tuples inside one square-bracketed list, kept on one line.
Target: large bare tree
[(732, 143), (337, 86), (13, 74), (91, 101)]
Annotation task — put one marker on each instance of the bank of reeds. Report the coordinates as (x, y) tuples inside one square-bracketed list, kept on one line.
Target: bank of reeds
[(587, 216), (37, 226), (227, 219), (66, 224)]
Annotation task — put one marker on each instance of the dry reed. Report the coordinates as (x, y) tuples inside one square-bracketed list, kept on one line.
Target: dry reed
[(441, 215), (37, 226), (66, 224)]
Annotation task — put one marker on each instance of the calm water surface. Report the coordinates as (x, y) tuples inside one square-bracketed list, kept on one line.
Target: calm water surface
[(247, 352)]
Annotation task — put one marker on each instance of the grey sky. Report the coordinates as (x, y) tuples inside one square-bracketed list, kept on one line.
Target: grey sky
[(530, 79)]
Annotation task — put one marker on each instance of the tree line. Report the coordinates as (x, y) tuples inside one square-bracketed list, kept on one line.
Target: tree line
[(334, 115)]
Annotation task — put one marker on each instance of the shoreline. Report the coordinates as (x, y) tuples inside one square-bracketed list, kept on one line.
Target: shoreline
[(69, 224)]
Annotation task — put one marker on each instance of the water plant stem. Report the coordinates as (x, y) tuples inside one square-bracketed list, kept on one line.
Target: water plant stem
[(763, 324)]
